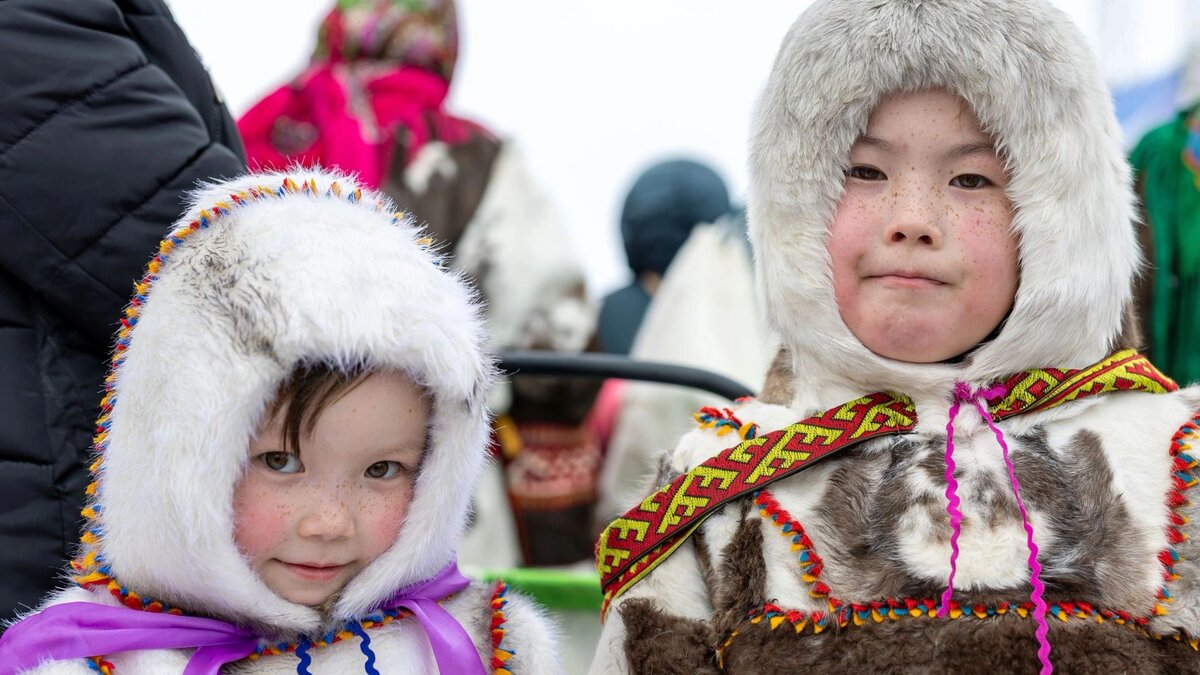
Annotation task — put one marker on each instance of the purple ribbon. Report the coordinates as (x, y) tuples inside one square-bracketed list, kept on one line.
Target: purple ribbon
[(453, 648), (80, 630)]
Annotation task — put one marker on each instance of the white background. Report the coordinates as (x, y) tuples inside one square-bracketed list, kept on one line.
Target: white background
[(594, 92)]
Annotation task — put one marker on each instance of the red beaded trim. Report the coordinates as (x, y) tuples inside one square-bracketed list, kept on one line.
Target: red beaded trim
[(1183, 477), (811, 565)]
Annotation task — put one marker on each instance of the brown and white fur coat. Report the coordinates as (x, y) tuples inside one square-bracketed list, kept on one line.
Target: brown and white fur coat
[(1096, 474)]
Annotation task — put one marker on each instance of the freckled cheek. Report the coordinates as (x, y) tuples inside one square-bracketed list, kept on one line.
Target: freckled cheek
[(262, 518), (383, 518), (993, 253)]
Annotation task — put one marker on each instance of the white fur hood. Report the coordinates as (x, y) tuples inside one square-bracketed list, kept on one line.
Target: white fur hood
[(1029, 76), (263, 272)]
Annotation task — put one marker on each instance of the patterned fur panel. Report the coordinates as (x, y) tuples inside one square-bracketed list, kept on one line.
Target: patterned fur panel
[(884, 529), (743, 576)]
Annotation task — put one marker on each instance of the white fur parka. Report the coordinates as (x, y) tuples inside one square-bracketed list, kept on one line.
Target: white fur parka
[(276, 270), (1099, 475)]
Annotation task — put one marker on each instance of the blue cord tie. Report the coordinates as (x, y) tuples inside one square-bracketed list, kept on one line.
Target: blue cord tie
[(305, 659), (365, 646)]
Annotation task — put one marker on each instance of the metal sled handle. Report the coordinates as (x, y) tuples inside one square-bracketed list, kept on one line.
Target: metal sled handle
[(548, 363)]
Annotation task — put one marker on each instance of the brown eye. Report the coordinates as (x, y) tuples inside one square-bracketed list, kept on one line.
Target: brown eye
[(283, 462), (383, 469), (865, 173), (970, 181)]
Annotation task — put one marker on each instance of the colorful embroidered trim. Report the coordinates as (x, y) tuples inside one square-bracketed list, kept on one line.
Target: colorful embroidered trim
[(724, 421), (810, 563), (500, 655), (856, 615), (90, 569), (640, 567), (99, 665), (680, 506), (635, 543), (1183, 478), (348, 630)]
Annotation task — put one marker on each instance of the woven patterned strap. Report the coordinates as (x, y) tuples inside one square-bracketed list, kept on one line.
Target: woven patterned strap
[(664, 519), (635, 543), (1035, 390)]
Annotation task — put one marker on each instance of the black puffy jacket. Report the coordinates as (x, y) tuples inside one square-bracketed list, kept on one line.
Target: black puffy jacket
[(106, 118)]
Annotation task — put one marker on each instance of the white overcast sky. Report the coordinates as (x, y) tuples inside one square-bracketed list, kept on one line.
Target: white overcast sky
[(593, 92)]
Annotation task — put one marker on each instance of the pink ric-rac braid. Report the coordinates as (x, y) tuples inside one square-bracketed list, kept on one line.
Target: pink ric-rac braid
[(978, 398)]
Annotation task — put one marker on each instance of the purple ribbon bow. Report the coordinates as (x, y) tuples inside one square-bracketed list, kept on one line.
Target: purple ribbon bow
[(79, 630)]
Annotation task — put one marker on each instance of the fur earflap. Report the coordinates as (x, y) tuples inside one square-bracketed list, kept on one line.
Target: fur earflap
[(265, 272), (1031, 81)]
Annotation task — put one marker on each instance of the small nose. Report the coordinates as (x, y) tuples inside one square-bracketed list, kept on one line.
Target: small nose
[(914, 220), (326, 518)]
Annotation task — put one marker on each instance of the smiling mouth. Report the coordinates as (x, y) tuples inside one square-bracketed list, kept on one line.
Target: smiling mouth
[(313, 572), (906, 280)]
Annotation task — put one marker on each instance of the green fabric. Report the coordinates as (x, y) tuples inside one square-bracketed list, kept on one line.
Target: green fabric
[(554, 589), (1171, 198)]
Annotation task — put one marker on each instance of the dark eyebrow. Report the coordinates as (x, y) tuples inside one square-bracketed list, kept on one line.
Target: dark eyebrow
[(968, 149), (957, 152), (875, 143)]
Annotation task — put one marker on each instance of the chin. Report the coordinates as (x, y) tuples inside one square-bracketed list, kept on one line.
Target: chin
[(918, 349), (309, 598)]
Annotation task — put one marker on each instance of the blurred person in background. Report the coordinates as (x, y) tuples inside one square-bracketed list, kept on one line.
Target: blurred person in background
[(1166, 163), (666, 201), (372, 101), (107, 117), (704, 314)]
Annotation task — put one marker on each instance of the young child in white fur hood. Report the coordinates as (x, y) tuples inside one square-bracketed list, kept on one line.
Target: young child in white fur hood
[(294, 424), (959, 463)]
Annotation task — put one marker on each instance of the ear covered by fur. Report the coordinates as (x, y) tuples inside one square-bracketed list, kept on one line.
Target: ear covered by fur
[(1033, 84), (278, 269)]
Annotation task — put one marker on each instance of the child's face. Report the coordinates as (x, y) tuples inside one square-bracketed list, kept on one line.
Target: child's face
[(924, 262), (310, 522)]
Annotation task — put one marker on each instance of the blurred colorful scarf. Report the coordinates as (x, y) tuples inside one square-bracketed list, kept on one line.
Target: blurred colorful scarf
[(376, 86)]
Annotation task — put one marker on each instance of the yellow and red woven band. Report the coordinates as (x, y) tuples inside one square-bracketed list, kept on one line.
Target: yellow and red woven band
[(632, 545), (1035, 390)]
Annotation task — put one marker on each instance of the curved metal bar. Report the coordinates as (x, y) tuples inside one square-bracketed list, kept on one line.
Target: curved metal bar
[(546, 363)]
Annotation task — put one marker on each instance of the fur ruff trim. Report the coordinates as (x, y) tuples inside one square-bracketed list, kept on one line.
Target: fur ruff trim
[(262, 273), (1032, 82)]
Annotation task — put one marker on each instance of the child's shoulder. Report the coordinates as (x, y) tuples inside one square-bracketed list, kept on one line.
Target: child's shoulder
[(509, 628), (1135, 417), (149, 661), (719, 428)]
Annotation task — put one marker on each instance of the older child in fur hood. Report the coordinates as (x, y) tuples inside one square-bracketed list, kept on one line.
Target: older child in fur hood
[(293, 427), (959, 464)]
